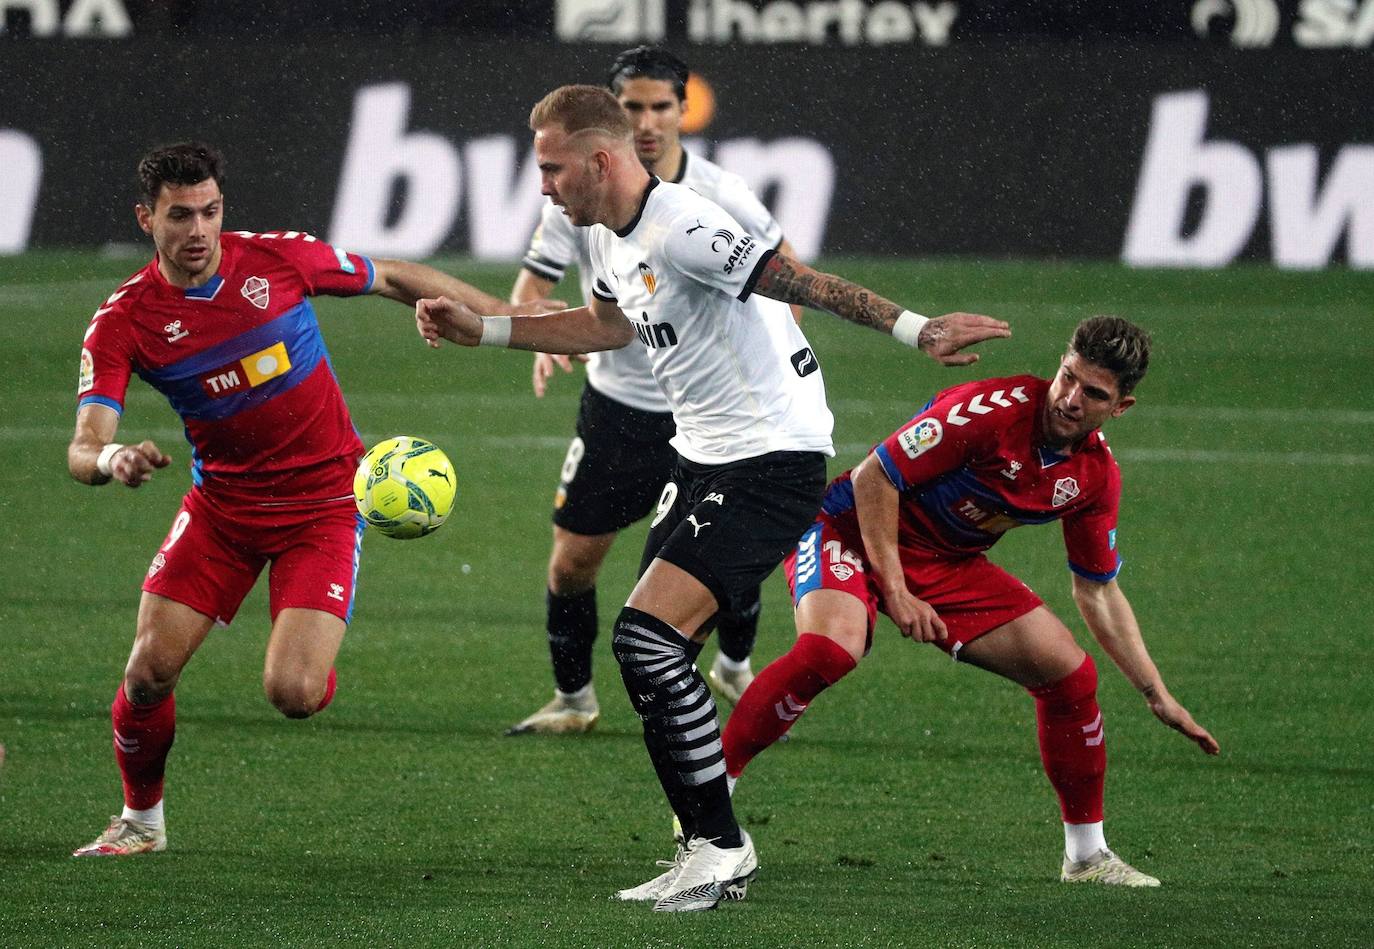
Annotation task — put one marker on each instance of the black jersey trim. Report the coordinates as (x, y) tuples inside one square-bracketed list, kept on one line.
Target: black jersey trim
[(603, 292), (628, 228), (758, 272), (544, 269), (681, 168)]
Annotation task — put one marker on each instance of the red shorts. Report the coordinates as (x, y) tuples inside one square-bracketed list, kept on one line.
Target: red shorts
[(213, 554), (971, 594)]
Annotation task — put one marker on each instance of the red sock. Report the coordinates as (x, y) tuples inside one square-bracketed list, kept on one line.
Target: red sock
[(143, 736), (1072, 742), (328, 691), (779, 694)]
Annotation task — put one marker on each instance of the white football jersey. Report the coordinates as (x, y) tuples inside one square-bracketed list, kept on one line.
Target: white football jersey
[(738, 373), (623, 374)]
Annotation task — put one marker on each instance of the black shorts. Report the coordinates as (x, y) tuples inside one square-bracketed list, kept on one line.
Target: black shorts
[(730, 525), (615, 467)]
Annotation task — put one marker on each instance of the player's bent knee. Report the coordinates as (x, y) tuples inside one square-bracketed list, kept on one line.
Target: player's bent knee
[(297, 697), (148, 679)]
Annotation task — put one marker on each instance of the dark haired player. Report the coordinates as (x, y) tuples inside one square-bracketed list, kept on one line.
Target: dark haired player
[(905, 532), (221, 324), (621, 456), (681, 276)]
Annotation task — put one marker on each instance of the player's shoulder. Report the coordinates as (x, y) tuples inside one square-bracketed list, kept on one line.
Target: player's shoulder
[(1001, 396), (702, 175), (283, 245), (130, 296)]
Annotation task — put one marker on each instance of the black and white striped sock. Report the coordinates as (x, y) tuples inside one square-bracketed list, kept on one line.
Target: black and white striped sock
[(681, 730)]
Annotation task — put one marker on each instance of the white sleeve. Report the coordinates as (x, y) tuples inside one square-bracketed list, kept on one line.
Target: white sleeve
[(709, 246), (596, 280), (554, 245), (734, 196)]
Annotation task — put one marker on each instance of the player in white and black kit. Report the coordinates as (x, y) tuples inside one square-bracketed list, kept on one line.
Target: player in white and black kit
[(680, 275), (624, 422)]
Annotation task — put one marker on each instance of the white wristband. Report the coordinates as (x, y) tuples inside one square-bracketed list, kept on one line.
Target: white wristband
[(495, 331), (907, 329), (102, 461)]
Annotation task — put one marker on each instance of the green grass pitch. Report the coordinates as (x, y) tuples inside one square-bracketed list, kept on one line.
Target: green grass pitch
[(910, 809)]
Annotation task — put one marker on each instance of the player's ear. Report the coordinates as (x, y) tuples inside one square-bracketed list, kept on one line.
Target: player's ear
[(144, 215), (1121, 407)]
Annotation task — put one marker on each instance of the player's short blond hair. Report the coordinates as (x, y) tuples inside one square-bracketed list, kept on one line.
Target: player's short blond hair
[(583, 109)]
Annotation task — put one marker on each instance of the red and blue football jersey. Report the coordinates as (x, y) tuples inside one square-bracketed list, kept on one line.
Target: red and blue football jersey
[(971, 466), (242, 361)]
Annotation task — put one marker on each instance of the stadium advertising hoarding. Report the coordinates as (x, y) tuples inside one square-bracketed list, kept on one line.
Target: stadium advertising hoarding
[(1309, 24), (1158, 155)]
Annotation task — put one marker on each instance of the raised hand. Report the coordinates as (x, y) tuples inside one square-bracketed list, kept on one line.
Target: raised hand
[(944, 336)]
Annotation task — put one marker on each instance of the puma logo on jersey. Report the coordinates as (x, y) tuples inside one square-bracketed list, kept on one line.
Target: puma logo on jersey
[(696, 528), (698, 227), (656, 335)]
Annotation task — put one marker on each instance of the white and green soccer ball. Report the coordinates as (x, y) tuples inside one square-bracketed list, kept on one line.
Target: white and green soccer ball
[(404, 487)]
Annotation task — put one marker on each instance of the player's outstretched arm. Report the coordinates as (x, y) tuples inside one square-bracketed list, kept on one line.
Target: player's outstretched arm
[(93, 457), (406, 282), (941, 338), (531, 288), (876, 502), (1109, 615), (582, 330)]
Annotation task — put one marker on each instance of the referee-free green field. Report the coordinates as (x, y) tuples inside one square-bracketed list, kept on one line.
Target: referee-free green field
[(910, 809)]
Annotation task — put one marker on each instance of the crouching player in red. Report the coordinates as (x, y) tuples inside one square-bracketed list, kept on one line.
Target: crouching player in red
[(905, 532), (221, 325)]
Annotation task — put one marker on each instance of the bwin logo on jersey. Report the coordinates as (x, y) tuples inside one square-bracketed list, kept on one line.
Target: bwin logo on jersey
[(721, 239), (656, 335), (742, 252)]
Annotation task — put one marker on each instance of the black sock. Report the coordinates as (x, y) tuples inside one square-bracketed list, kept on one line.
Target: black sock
[(571, 625), (737, 630), (681, 730)]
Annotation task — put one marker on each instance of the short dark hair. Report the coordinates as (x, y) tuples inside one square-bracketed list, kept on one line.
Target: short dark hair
[(649, 62), (185, 163), (1117, 345)]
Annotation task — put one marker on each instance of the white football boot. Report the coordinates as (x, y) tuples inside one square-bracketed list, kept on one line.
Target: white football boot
[(125, 837), (569, 713), (1104, 867), (729, 683), (708, 875)]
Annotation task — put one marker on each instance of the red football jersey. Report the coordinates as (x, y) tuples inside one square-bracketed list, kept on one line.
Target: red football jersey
[(242, 361), (971, 466)]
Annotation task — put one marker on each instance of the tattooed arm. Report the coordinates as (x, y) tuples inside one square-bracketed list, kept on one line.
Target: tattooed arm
[(941, 338)]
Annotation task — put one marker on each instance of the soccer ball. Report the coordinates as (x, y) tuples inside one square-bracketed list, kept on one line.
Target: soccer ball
[(404, 487)]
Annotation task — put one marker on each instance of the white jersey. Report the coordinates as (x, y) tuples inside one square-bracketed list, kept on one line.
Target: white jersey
[(623, 374), (738, 373)]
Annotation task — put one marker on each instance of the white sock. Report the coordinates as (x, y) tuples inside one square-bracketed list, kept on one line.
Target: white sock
[(730, 784), (1081, 841), (729, 665), (152, 816), (581, 695)]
